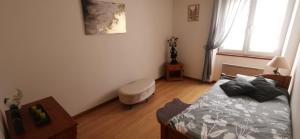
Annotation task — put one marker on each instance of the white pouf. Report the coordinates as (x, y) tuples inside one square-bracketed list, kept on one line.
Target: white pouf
[(136, 91)]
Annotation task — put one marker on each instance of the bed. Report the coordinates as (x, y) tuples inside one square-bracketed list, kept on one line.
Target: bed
[(217, 116)]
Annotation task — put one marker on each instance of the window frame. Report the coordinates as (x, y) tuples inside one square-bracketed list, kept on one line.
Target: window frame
[(245, 52)]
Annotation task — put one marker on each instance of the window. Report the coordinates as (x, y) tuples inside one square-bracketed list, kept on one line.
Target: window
[(259, 30)]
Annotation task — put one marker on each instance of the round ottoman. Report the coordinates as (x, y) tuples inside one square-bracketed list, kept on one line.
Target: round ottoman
[(136, 91)]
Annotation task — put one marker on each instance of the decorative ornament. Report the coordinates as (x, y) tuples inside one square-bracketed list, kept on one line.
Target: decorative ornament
[(13, 104), (173, 43)]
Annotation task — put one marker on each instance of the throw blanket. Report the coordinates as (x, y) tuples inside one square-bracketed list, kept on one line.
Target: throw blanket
[(217, 116)]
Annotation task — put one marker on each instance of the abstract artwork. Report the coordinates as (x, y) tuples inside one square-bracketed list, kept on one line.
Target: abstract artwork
[(193, 12), (103, 17)]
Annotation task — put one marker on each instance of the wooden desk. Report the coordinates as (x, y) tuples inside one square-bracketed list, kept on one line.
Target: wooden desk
[(174, 71), (62, 126)]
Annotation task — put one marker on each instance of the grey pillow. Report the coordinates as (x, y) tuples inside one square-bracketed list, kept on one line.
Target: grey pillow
[(265, 91), (237, 87), (251, 78)]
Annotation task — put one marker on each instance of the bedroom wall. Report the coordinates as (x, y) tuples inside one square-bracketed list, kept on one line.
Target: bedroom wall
[(293, 35), (248, 62), (45, 52), (295, 97), (192, 35)]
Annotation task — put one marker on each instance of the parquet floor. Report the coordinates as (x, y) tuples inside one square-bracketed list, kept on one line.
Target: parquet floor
[(114, 121)]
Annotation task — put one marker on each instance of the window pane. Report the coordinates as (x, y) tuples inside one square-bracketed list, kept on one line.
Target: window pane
[(268, 22), (236, 37)]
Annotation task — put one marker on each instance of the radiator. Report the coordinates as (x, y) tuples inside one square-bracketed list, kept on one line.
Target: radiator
[(232, 70)]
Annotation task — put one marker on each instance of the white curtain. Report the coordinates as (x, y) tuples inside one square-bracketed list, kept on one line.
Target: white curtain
[(227, 14), (224, 15)]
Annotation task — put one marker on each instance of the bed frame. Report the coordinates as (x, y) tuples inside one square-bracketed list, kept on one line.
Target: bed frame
[(176, 106)]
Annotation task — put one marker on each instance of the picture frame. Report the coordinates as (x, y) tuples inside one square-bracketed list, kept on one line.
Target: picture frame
[(193, 12), (102, 17)]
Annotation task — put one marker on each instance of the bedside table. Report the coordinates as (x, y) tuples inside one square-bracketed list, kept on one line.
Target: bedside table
[(61, 126), (174, 72)]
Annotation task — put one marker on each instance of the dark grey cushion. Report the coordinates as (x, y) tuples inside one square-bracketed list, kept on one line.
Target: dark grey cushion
[(265, 91), (251, 78), (237, 87)]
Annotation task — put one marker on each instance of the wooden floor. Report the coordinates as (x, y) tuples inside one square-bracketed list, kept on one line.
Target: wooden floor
[(114, 121)]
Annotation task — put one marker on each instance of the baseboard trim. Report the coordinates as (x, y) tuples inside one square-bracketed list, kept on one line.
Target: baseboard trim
[(160, 78), (210, 82), (104, 103), (94, 108), (187, 77), (206, 82)]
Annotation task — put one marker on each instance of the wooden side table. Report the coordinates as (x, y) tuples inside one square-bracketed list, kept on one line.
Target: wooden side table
[(174, 71), (62, 125)]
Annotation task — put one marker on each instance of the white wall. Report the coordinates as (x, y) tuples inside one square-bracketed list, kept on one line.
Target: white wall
[(192, 35), (248, 62), (242, 61), (44, 51), (293, 35), (295, 98)]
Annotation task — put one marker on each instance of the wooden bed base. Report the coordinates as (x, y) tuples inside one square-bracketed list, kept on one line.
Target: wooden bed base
[(165, 113), (176, 106)]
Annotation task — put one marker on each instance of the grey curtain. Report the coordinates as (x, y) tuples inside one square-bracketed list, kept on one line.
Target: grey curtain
[(224, 15)]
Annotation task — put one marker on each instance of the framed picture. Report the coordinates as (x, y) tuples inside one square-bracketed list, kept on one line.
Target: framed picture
[(193, 12), (103, 17)]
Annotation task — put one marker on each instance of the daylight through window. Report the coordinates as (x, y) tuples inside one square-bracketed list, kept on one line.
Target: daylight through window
[(259, 30)]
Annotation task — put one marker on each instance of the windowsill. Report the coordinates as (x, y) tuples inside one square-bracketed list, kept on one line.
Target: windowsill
[(245, 56)]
